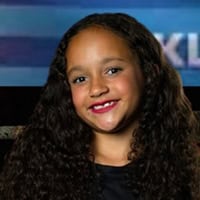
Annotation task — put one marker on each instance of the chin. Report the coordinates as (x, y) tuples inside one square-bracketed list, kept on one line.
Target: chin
[(111, 130), (118, 128)]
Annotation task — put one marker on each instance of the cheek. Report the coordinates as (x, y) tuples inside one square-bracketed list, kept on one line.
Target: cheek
[(77, 97), (125, 85), (132, 87)]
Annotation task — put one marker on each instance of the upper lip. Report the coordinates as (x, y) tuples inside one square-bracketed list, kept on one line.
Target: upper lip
[(101, 103)]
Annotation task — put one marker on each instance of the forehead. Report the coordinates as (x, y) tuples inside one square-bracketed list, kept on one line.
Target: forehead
[(97, 37), (97, 30)]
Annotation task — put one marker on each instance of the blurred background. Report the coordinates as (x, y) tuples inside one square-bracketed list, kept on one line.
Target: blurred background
[(30, 32)]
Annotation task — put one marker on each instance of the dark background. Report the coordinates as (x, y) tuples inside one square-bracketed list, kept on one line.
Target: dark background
[(17, 103)]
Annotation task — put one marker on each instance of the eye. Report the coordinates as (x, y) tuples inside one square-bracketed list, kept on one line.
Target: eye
[(113, 70), (79, 80)]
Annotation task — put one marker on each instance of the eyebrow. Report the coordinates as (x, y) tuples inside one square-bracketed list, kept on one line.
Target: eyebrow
[(107, 60), (77, 68), (74, 69)]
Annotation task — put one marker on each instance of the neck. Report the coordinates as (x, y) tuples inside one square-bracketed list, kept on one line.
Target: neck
[(112, 149)]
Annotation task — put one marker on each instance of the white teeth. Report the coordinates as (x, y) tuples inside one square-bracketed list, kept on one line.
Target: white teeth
[(98, 107), (103, 106)]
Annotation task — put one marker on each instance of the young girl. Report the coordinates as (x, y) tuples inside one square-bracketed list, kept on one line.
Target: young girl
[(112, 122)]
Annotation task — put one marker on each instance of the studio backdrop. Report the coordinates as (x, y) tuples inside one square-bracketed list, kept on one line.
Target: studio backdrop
[(31, 30)]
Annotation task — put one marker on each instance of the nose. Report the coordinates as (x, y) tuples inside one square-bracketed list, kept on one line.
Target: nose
[(98, 87)]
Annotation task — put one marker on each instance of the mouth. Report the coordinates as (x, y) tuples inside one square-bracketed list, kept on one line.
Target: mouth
[(103, 106)]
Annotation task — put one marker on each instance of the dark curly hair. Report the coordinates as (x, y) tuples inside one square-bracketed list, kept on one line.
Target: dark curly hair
[(51, 159)]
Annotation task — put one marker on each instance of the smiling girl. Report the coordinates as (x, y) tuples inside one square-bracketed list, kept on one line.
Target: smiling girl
[(112, 122)]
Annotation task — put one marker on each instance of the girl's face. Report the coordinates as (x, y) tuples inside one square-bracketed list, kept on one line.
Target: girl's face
[(105, 80)]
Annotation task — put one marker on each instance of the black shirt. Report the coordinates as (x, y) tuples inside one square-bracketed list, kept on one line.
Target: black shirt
[(113, 183)]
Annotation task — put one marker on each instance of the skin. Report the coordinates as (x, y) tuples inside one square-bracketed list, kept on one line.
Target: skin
[(107, 85)]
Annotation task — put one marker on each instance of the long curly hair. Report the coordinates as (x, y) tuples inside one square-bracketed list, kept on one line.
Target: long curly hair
[(51, 159)]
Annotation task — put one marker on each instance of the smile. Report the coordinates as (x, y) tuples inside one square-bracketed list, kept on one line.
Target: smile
[(103, 107)]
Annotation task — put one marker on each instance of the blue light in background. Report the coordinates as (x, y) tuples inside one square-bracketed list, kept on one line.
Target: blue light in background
[(31, 30)]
